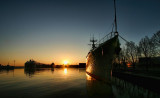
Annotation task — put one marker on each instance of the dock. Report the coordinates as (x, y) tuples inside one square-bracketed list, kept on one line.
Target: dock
[(150, 82)]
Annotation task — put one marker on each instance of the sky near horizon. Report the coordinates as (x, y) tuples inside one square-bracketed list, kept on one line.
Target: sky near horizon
[(57, 30)]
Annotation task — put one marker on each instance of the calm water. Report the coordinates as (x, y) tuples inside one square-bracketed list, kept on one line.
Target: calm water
[(65, 82)]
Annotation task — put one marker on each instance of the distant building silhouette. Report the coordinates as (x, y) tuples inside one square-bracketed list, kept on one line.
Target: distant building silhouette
[(34, 64), (82, 65)]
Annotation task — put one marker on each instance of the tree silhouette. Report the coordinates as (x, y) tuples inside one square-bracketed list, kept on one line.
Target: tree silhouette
[(156, 41), (132, 52), (147, 47)]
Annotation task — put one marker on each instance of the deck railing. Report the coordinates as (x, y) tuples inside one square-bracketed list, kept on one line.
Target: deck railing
[(105, 38)]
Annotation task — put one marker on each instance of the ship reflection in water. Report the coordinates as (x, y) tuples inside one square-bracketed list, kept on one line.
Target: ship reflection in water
[(98, 89), (65, 82), (117, 89)]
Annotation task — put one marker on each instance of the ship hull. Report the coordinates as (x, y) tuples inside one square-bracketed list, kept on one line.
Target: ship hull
[(99, 61)]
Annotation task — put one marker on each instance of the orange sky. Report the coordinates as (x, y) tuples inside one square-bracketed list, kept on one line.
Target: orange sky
[(46, 55)]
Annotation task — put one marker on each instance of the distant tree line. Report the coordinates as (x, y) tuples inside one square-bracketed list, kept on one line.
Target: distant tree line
[(147, 47)]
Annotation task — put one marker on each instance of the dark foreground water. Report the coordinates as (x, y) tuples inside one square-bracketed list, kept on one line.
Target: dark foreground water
[(65, 83)]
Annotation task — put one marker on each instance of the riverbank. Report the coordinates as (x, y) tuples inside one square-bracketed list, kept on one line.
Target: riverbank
[(144, 79)]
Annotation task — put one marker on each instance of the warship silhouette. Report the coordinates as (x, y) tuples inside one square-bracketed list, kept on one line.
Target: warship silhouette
[(100, 58)]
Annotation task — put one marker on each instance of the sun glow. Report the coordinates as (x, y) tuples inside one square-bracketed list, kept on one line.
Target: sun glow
[(65, 62), (129, 65)]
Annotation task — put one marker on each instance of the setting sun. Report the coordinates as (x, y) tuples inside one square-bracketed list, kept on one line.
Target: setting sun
[(65, 62)]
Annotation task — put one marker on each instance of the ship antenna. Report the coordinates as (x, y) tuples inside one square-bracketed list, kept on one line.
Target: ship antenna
[(93, 42), (115, 19)]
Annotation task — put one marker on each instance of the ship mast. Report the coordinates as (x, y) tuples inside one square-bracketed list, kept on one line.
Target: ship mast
[(115, 18), (93, 42)]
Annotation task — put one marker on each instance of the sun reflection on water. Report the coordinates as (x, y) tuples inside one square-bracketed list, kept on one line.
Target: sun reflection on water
[(65, 70)]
